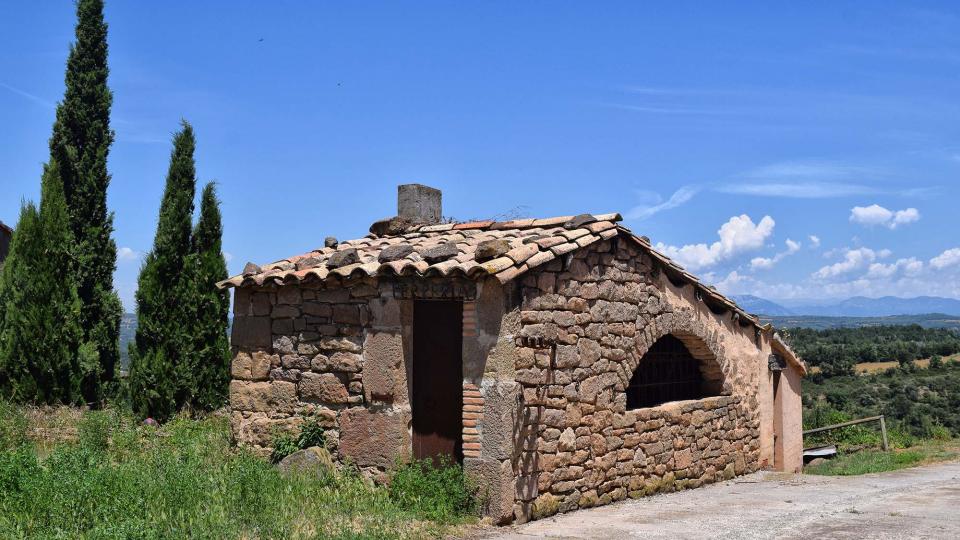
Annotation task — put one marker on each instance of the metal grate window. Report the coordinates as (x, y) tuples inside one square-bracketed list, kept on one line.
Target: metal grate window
[(667, 372)]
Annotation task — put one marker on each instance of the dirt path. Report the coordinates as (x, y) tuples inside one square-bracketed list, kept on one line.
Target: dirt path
[(922, 502)]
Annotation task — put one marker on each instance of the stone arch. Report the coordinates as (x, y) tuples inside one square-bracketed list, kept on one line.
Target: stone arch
[(703, 343)]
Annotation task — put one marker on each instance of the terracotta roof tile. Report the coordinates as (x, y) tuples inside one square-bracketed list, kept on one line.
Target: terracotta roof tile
[(533, 242)]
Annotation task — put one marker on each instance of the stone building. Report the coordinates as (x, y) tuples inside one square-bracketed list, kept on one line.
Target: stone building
[(6, 236), (563, 361)]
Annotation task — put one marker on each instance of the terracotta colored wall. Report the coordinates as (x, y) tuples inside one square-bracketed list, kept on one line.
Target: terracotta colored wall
[(791, 436)]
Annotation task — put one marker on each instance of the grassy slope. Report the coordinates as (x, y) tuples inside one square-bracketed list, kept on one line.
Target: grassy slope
[(872, 461), (118, 479)]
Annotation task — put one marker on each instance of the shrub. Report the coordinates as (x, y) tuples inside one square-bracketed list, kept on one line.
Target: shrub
[(284, 444), (311, 434), (440, 493)]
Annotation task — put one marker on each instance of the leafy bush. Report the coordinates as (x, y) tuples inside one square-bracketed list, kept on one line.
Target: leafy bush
[(440, 493), (311, 434), (284, 444)]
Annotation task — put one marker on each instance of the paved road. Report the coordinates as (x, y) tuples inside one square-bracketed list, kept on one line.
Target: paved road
[(922, 502)]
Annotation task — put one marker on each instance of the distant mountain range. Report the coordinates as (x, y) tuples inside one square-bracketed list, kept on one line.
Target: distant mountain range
[(858, 306)]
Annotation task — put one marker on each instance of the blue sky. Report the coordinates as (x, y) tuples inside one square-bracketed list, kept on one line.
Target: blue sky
[(720, 131)]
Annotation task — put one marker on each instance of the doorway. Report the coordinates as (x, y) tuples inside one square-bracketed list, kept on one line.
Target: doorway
[(437, 387)]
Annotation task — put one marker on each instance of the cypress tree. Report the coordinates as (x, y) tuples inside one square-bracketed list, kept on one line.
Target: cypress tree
[(40, 339), (80, 145), (211, 372), (161, 354)]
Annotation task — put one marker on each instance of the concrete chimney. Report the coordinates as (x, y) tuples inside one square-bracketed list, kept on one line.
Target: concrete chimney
[(419, 204)]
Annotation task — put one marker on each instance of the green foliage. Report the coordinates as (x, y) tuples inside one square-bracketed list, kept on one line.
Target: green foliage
[(13, 426), (917, 402), (80, 144), (180, 354), (438, 493), (311, 434), (836, 350), (211, 355), (40, 339), (870, 461), (285, 443), (183, 480)]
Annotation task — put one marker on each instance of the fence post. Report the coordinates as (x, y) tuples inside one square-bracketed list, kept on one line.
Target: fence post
[(883, 430)]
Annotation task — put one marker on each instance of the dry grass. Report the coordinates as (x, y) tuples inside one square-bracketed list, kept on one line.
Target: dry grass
[(868, 368)]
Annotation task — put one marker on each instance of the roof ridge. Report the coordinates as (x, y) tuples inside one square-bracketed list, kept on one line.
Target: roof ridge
[(525, 223)]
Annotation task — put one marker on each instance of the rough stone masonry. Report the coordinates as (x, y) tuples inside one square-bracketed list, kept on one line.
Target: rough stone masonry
[(562, 318)]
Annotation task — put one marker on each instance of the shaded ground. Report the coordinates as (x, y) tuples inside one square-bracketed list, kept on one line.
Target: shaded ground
[(922, 502)]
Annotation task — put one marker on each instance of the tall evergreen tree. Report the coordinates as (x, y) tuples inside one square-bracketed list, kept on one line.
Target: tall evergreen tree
[(80, 144), (40, 339), (211, 372), (162, 351)]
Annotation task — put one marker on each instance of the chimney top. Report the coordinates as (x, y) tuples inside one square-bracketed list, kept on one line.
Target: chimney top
[(419, 204)]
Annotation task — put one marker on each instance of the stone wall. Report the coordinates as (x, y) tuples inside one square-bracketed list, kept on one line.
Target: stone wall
[(334, 354), (587, 320)]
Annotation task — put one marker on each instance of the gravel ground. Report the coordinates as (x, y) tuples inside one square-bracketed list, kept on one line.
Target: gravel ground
[(922, 502)]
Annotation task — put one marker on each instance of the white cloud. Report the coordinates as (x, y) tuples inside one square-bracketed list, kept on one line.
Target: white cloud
[(874, 215), (227, 256), (766, 263), (738, 235), (679, 197), (948, 258), (797, 190), (910, 267), (853, 260), (128, 254), (814, 241)]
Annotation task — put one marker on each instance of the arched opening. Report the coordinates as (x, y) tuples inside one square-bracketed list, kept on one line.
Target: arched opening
[(669, 372)]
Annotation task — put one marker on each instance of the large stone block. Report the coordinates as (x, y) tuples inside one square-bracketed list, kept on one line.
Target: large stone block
[(323, 387), (251, 333), (253, 366), (384, 377), (259, 429), (276, 396), (501, 421), (374, 438), (497, 481)]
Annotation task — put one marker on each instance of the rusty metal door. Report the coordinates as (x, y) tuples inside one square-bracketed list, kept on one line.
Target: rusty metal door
[(437, 380)]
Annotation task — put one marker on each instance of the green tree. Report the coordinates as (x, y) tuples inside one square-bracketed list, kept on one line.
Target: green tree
[(80, 144), (42, 358), (211, 372), (161, 355)]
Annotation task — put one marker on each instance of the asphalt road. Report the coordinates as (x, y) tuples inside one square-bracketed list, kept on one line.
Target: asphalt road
[(922, 502)]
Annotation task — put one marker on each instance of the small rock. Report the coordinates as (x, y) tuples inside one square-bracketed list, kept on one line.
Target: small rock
[(395, 253), (491, 249), (309, 262), (313, 460), (343, 258), (579, 221), (249, 269), (390, 226), (331, 242), (440, 252)]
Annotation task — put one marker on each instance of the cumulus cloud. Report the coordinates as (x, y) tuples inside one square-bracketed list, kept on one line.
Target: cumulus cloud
[(679, 197), (738, 235), (909, 267), (766, 263), (814, 241), (948, 258), (853, 260), (876, 215), (127, 254)]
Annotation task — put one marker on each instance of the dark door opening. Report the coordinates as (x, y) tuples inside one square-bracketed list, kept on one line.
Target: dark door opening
[(437, 380)]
